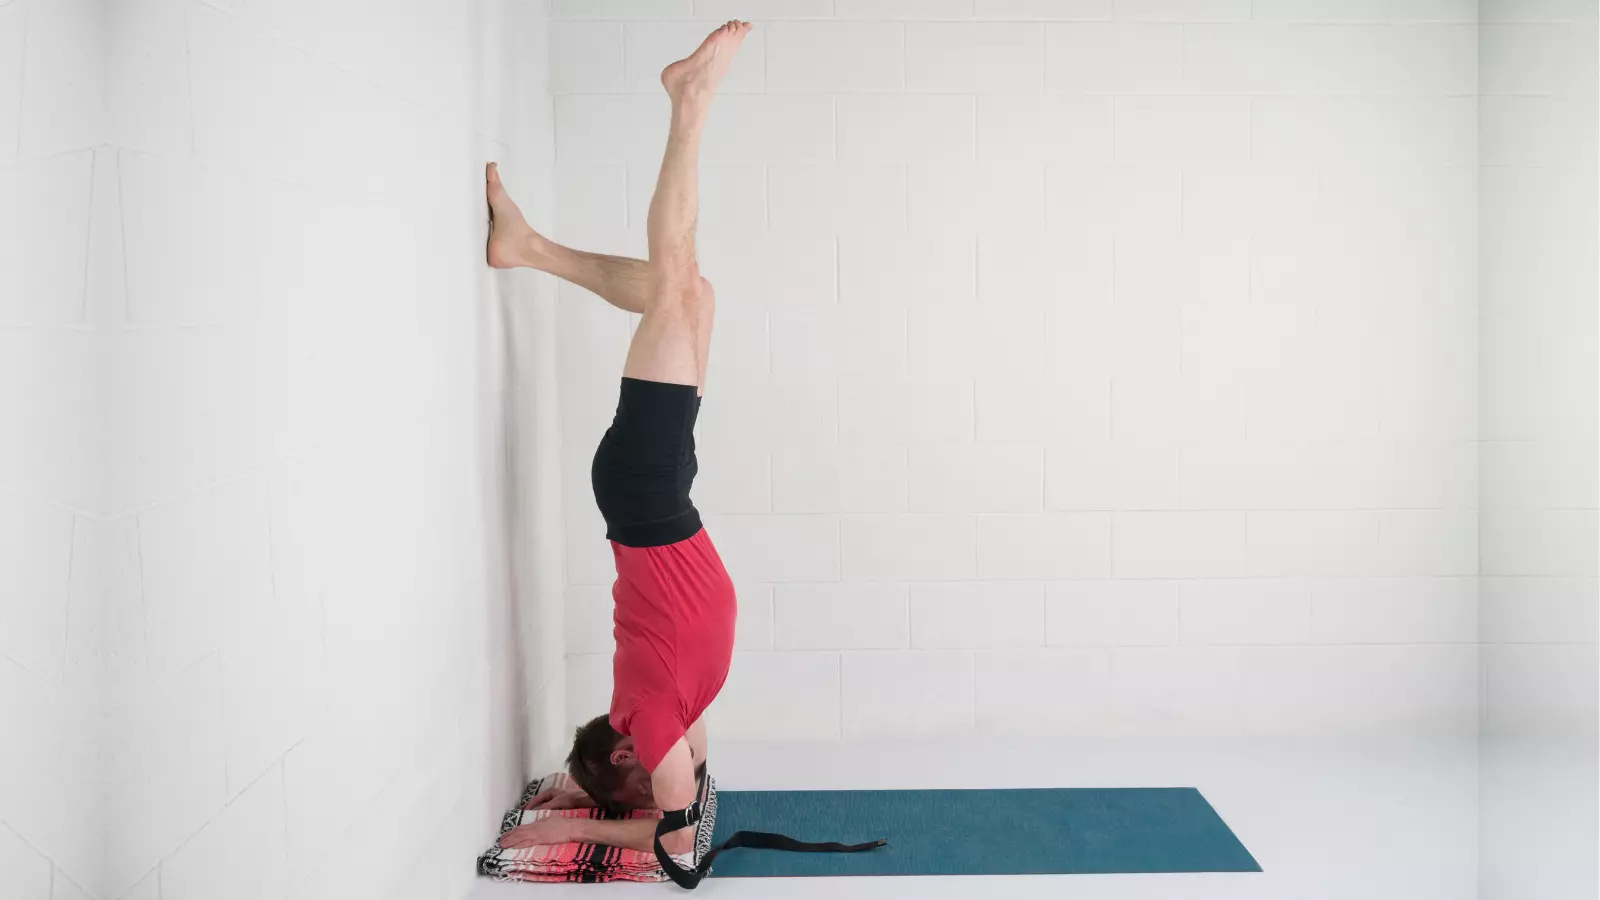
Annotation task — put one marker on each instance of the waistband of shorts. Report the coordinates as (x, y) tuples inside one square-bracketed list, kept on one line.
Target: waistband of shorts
[(682, 392), (655, 534)]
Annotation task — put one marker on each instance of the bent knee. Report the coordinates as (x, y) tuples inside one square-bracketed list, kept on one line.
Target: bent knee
[(690, 296)]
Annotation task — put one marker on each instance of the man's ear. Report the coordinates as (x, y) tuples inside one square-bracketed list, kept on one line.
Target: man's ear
[(622, 756)]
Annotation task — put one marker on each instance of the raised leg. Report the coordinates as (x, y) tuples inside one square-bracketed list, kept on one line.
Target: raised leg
[(674, 335), (672, 342), (624, 283)]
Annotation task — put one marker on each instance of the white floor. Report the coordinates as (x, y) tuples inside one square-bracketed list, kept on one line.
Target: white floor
[(1372, 822)]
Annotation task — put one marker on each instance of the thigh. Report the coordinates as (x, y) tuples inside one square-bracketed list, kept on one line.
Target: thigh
[(702, 350), (665, 346)]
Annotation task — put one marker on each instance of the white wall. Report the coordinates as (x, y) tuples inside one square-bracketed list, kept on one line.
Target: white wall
[(1538, 476), (1539, 376), (54, 539), (257, 622), (532, 405), (1085, 368)]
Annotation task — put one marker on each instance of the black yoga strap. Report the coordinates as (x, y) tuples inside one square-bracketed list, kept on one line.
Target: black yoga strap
[(689, 878)]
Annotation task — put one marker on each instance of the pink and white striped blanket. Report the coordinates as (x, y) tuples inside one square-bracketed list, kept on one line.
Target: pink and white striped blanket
[(585, 863)]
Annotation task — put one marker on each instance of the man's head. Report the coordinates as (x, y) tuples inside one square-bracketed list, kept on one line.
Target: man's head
[(605, 765)]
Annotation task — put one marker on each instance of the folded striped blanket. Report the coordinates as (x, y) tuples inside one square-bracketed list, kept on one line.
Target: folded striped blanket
[(587, 863)]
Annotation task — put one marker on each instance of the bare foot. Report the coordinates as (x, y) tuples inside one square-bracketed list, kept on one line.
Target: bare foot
[(512, 242), (695, 79)]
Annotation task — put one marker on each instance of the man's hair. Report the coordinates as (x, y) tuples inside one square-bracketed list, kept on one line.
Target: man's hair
[(590, 764)]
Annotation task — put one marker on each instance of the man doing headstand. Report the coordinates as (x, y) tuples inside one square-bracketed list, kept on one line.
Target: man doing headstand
[(674, 602)]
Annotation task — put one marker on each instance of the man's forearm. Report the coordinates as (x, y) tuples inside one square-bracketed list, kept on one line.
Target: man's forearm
[(633, 834)]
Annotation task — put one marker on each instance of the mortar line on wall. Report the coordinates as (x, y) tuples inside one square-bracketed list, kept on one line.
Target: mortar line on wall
[(772, 616), (25, 842), (1183, 43), (837, 280), (88, 239), (834, 101), (26, 667), (974, 407), (1044, 476), (909, 644), (122, 233), (905, 50)]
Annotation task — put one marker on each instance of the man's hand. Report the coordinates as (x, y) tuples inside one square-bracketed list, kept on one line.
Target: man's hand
[(568, 799), (541, 798), (554, 830)]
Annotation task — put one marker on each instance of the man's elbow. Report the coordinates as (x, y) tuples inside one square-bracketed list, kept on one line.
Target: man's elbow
[(678, 842)]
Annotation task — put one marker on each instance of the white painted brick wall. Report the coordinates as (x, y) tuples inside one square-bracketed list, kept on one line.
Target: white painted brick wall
[(948, 57), (774, 696), (1127, 612), (1085, 367), (977, 615), (57, 549), (851, 478), (840, 616), (1536, 531), (250, 468), (914, 547), (1113, 58), (906, 693), (1127, 346)]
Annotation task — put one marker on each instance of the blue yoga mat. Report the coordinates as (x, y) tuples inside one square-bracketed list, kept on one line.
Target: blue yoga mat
[(983, 832)]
